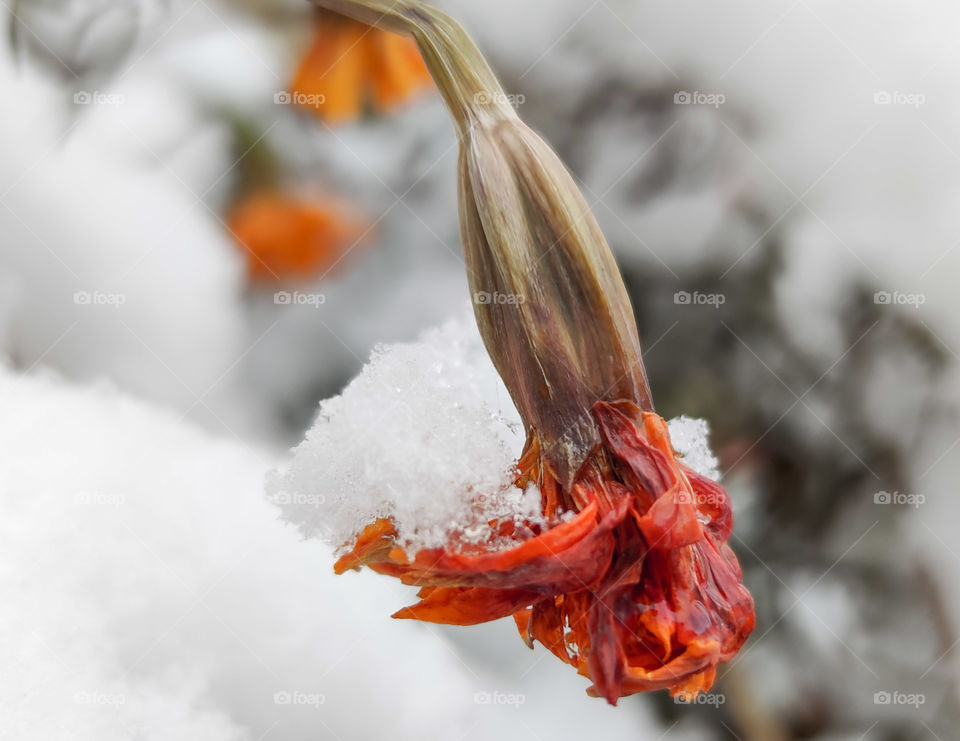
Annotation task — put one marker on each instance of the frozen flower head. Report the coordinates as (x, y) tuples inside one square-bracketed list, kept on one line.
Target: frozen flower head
[(624, 572)]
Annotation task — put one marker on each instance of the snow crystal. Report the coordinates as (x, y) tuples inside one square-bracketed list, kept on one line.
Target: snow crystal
[(426, 435), (690, 438)]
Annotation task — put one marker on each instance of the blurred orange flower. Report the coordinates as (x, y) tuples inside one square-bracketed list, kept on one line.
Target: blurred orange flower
[(350, 64), (287, 238)]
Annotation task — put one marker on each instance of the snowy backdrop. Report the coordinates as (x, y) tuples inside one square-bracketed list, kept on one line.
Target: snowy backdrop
[(780, 182)]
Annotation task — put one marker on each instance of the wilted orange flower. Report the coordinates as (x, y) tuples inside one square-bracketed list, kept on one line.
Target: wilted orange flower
[(630, 580), (350, 64), (639, 591), (287, 238)]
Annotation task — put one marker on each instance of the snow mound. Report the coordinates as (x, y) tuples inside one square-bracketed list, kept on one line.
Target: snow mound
[(691, 440), (427, 436), (151, 593)]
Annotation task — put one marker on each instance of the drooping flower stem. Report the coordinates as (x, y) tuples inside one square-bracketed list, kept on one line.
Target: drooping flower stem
[(628, 577), (548, 296), (464, 78)]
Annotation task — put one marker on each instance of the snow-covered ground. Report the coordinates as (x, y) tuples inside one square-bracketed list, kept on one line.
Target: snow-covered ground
[(151, 592)]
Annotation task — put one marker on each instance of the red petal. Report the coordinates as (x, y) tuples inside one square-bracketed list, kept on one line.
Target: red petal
[(671, 522), (712, 500), (606, 661), (568, 557), (622, 434), (546, 626)]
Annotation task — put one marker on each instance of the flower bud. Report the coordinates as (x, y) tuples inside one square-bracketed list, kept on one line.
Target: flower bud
[(568, 338)]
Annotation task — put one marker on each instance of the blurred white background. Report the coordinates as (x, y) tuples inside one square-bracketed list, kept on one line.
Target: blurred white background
[(781, 183)]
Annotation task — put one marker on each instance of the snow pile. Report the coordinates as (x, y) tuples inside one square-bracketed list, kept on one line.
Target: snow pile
[(149, 592), (427, 436), (691, 439)]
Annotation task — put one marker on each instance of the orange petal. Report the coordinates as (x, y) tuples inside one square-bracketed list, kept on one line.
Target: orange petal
[(546, 626), (570, 556), (374, 543), (522, 619), (467, 605), (691, 672)]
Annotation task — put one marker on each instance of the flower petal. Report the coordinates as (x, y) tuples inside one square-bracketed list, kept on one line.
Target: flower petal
[(467, 605)]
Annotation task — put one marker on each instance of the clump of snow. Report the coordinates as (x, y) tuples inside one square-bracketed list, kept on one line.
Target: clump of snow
[(691, 439), (426, 435)]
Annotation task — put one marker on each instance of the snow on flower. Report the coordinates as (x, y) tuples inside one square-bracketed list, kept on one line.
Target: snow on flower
[(422, 436), (426, 435)]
